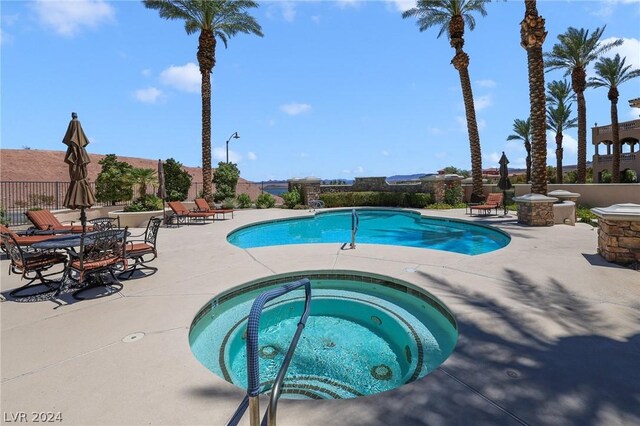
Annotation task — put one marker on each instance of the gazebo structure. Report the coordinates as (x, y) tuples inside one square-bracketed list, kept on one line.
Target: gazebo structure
[(629, 146)]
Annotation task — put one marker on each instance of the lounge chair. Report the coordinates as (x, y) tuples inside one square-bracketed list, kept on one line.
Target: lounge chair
[(26, 239), (143, 251), (493, 202), (45, 220), (183, 215), (32, 264), (203, 206)]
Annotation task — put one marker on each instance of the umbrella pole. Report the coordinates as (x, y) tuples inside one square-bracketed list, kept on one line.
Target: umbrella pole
[(83, 220), (164, 215)]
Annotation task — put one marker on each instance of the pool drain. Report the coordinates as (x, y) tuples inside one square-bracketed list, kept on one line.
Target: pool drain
[(133, 337), (268, 352), (381, 372), (328, 343), (513, 374)]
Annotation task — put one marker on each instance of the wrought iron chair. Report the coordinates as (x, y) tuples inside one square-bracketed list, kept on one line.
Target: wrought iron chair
[(104, 223), (142, 251), (100, 253), (32, 264)]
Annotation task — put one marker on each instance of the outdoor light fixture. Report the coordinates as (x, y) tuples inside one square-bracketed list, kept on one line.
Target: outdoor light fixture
[(235, 135)]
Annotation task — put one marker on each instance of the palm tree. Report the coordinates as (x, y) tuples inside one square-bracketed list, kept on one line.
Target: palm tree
[(611, 74), (522, 132), (532, 36), (215, 19), (558, 117), (574, 51), (452, 16), (143, 177)]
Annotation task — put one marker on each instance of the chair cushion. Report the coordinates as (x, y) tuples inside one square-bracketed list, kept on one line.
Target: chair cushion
[(136, 248), (89, 265), (40, 260)]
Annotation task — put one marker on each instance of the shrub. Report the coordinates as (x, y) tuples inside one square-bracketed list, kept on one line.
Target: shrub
[(177, 181), (244, 201), (453, 196), (292, 198), (114, 181), (229, 203), (265, 201), (585, 215), (375, 199), (147, 203), (225, 179), (4, 220)]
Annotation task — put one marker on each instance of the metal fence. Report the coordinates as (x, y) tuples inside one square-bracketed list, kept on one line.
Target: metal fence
[(18, 197)]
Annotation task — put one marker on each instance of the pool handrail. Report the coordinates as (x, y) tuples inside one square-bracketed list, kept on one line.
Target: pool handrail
[(253, 368), (355, 223)]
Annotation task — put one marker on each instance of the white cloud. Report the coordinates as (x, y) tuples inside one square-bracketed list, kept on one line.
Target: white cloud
[(606, 7), (634, 113), (150, 95), (402, 5), (436, 130), (5, 38), (359, 169), (494, 159), (186, 77), (441, 155), (316, 19), (569, 145), (482, 102), (462, 123), (348, 3), (146, 72), (288, 10), (68, 18), (295, 108), (486, 83), (385, 153), (630, 48), (220, 154), (252, 156)]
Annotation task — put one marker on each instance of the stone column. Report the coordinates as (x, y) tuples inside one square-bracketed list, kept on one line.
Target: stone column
[(309, 188), (619, 233), (535, 209), (443, 182)]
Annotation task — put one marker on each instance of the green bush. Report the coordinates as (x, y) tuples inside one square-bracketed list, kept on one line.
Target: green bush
[(453, 196), (375, 199), (229, 203), (244, 201), (265, 201), (177, 181), (114, 182), (585, 215), (4, 220), (292, 198), (147, 203), (225, 178)]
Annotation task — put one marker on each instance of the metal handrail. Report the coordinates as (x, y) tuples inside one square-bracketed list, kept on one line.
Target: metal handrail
[(355, 222), (253, 369)]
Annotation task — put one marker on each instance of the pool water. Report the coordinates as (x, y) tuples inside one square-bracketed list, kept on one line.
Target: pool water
[(377, 226), (364, 335)]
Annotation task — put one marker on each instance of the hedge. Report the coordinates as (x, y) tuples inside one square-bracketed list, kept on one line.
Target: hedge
[(376, 199)]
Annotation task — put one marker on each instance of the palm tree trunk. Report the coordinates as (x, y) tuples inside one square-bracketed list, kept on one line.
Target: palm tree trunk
[(533, 34), (559, 152), (461, 63), (582, 136), (615, 128), (206, 60), (527, 147)]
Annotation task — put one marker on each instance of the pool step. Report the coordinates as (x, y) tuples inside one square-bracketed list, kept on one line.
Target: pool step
[(317, 387)]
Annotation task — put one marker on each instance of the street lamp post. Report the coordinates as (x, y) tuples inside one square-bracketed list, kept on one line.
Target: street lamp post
[(235, 135)]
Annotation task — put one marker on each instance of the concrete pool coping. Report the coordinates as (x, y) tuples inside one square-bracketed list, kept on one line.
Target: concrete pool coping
[(549, 333)]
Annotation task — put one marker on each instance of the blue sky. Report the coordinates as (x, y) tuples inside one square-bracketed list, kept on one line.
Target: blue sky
[(335, 89)]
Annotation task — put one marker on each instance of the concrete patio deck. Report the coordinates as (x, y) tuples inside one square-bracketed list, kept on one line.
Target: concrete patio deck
[(549, 334)]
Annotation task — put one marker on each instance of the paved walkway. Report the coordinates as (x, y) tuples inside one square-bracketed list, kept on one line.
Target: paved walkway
[(549, 334)]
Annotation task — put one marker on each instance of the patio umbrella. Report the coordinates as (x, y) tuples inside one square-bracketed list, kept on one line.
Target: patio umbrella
[(504, 183), (79, 195), (162, 191)]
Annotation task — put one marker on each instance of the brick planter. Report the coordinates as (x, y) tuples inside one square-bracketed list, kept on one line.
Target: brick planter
[(619, 233), (535, 209)]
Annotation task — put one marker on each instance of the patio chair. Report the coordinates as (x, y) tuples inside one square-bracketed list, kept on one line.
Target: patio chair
[(31, 264), (100, 253), (183, 215), (23, 240), (104, 223), (493, 202), (203, 206), (142, 251), (45, 220)]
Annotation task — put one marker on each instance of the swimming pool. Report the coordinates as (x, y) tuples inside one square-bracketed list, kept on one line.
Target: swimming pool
[(366, 334), (377, 226)]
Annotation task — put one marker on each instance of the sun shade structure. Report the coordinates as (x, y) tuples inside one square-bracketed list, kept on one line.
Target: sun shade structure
[(162, 191), (79, 195), (504, 183)]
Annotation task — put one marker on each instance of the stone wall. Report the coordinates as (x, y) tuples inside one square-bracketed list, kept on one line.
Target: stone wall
[(535, 214), (619, 241), (378, 184)]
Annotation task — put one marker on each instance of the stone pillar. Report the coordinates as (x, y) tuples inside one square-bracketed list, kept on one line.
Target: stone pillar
[(567, 198), (309, 188), (535, 209), (443, 182), (619, 233)]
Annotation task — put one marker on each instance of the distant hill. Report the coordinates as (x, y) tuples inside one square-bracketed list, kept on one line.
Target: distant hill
[(35, 165)]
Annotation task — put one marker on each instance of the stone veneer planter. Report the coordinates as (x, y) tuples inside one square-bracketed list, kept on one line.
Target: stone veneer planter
[(134, 219), (619, 232), (535, 209)]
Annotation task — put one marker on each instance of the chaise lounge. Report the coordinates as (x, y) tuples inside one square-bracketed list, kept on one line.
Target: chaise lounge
[(46, 221), (203, 206), (183, 215), (493, 202)]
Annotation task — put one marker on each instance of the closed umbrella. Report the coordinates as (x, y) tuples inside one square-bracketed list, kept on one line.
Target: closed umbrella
[(162, 191), (504, 183), (79, 195)]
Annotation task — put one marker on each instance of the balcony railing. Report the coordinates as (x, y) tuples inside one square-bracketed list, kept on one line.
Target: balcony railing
[(626, 126), (629, 156)]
